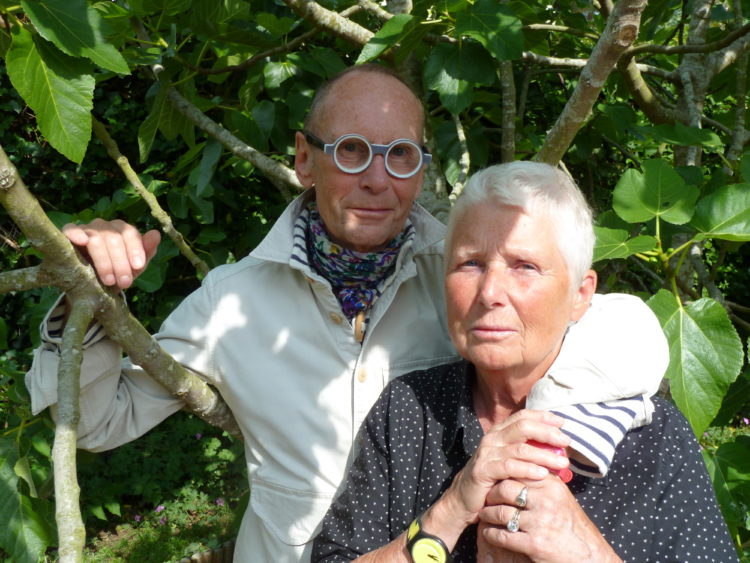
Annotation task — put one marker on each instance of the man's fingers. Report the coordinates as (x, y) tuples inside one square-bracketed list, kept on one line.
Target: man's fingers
[(151, 242), (75, 234)]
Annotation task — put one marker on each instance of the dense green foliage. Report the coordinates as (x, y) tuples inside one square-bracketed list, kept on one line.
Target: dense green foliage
[(670, 180)]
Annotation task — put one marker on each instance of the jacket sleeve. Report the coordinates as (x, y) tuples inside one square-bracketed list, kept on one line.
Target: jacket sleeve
[(119, 401), (616, 351)]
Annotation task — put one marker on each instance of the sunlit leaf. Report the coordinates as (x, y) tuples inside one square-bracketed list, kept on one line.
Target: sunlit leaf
[(24, 533), (705, 355), (147, 130), (616, 243), (658, 191), (57, 87), (77, 29), (725, 213), (495, 26), (387, 36)]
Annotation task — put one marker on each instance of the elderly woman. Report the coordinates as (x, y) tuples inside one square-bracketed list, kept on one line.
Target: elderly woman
[(450, 465)]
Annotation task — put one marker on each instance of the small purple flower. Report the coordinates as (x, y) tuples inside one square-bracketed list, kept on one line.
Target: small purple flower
[(137, 517), (746, 421), (163, 520), (219, 501), (159, 508), (198, 436)]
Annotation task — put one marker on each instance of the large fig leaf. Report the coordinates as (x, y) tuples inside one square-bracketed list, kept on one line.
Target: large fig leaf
[(616, 243), (57, 87), (77, 29), (724, 214), (705, 355), (24, 533), (658, 191)]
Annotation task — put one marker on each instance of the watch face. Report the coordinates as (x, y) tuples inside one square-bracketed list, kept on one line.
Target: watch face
[(427, 550)]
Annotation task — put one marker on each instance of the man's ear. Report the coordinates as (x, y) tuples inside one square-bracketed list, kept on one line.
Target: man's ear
[(303, 164), (584, 295)]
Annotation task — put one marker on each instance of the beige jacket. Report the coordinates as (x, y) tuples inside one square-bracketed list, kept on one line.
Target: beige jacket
[(270, 335)]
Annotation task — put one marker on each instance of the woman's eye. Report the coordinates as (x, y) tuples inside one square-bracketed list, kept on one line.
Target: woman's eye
[(527, 267)]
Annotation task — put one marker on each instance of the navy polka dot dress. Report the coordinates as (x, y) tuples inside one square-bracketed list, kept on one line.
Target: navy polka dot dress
[(655, 505)]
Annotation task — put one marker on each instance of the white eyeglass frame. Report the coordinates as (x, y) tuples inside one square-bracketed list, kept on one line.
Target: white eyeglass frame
[(330, 149)]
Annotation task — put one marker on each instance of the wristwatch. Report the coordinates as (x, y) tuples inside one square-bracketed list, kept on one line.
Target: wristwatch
[(424, 547)]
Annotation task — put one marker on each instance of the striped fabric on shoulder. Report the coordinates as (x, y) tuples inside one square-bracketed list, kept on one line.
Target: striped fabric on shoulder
[(595, 430), (52, 328)]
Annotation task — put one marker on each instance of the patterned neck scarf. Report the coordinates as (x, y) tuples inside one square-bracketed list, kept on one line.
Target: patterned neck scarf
[(357, 278)]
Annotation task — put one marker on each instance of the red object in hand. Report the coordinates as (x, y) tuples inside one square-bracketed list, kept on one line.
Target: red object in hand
[(566, 474)]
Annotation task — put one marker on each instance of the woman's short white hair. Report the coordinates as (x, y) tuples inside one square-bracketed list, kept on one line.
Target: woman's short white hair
[(535, 187)]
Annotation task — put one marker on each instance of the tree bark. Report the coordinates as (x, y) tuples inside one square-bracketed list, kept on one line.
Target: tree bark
[(619, 34), (78, 280)]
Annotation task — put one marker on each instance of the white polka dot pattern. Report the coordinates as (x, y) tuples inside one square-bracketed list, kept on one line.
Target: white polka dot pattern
[(655, 505)]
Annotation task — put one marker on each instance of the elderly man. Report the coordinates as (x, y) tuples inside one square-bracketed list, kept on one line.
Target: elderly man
[(343, 295)]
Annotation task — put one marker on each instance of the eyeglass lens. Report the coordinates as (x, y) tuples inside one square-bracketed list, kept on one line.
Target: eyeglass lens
[(353, 153)]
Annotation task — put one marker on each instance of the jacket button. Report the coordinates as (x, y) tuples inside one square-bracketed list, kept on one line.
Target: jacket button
[(362, 375)]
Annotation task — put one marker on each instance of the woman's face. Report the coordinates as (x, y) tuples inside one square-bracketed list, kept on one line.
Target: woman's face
[(508, 293)]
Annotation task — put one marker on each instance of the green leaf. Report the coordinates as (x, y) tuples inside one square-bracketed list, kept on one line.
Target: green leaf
[(705, 355), (658, 191), (3, 334), (724, 214), (77, 29), (495, 26), (23, 470), (147, 130), (276, 73), (680, 134), (24, 534), (57, 87), (615, 243), (745, 166), (452, 70), (388, 35), (169, 7), (729, 504), (730, 472), (98, 511), (210, 157), (113, 507)]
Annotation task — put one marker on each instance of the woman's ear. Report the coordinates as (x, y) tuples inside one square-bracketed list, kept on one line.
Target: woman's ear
[(303, 164), (584, 295)]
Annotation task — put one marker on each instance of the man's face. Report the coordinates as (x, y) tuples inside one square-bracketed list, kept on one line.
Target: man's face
[(363, 211)]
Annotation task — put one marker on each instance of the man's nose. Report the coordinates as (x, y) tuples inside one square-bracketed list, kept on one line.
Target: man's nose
[(375, 177)]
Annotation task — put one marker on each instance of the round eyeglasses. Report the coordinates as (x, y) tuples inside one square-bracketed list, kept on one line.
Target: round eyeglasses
[(353, 154)]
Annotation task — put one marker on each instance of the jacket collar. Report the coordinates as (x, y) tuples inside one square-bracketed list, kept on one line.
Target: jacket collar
[(277, 244)]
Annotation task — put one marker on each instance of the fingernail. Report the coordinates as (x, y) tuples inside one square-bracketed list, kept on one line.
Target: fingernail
[(109, 279), (137, 261), (125, 281)]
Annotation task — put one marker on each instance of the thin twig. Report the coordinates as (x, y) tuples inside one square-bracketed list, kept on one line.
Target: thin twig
[(153, 204)]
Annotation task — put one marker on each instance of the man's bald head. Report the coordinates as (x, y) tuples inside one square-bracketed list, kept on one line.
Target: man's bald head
[(322, 101)]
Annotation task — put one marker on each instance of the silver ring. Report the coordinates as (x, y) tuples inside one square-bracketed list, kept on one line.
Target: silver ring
[(514, 525), (521, 498)]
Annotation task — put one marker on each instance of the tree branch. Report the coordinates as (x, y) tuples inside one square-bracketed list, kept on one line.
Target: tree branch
[(331, 21), (153, 204), (79, 281), (23, 280), (508, 87), (275, 171), (71, 531), (464, 160), (689, 48), (619, 34)]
